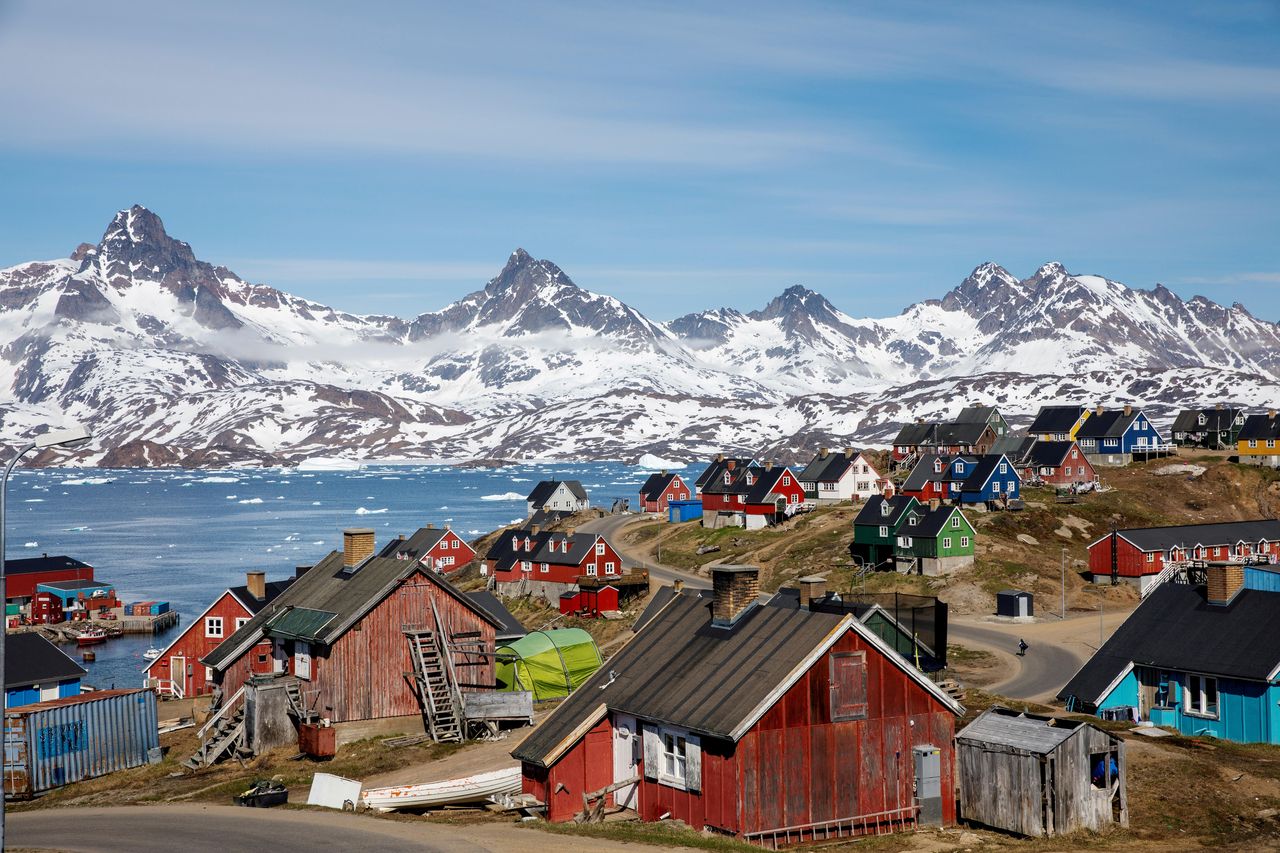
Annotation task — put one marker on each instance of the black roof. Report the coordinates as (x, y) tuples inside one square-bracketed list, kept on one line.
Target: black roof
[(960, 433), (416, 546), (271, 588), (982, 469), (1260, 426), (545, 546), (932, 521), (915, 434), (663, 597), (717, 466), (548, 516), (1215, 419), (1017, 447), (682, 670), (1049, 454), (1109, 424), (1056, 419), (829, 468), (44, 563), (788, 598), (923, 471), (509, 626), (1190, 535), (31, 659), (546, 489), (73, 585), (1175, 628), (764, 481), (330, 588), (655, 485), (871, 516), (976, 414)]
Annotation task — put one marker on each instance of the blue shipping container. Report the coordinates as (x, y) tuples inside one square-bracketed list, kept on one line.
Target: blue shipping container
[(679, 511), (51, 744), (158, 607)]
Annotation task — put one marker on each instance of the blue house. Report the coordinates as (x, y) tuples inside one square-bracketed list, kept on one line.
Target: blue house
[(1202, 660), (1114, 437), (36, 670), (964, 479)]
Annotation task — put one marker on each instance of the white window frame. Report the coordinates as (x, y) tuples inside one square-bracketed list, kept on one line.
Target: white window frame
[(1195, 696), (995, 486), (964, 541), (241, 621), (213, 627), (786, 481), (1253, 442), (600, 548), (591, 569), (884, 530), (955, 521), (946, 542), (1151, 556), (610, 568), (1004, 469), (545, 567)]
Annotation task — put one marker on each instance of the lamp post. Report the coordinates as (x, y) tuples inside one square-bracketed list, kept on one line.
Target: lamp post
[(1064, 582), (69, 437)]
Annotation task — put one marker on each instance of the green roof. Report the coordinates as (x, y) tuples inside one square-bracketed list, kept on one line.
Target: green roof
[(300, 623)]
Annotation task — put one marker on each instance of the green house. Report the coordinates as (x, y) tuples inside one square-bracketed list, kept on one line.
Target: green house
[(927, 539)]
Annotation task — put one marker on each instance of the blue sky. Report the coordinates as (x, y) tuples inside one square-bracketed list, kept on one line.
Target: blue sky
[(387, 157)]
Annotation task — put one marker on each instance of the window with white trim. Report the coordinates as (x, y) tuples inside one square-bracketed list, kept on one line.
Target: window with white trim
[(591, 569), (1201, 696), (1151, 557), (526, 566), (241, 621), (213, 626), (964, 541), (946, 542), (955, 521), (995, 486), (599, 547), (610, 568), (546, 567), (786, 481), (884, 530), (1253, 443), (1004, 469), (672, 757)]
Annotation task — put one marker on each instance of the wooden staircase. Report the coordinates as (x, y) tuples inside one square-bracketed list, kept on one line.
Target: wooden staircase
[(223, 735), (437, 685), (952, 688)]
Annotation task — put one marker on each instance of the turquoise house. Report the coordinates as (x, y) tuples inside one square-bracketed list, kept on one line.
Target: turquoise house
[(1201, 660)]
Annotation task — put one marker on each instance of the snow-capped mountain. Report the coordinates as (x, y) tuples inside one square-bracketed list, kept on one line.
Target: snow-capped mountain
[(172, 360)]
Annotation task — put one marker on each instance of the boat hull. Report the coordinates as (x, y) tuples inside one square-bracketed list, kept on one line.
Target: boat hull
[(468, 789)]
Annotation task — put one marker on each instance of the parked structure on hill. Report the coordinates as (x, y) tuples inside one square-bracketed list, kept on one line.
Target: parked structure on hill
[(1058, 423), (178, 672), (660, 489), (1200, 659), (558, 496), (834, 477), (1118, 436), (762, 723), (1213, 429), (36, 671), (1258, 442), (1147, 556), (1056, 776)]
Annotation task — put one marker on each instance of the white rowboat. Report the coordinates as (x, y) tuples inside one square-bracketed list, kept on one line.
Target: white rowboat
[(468, 789)]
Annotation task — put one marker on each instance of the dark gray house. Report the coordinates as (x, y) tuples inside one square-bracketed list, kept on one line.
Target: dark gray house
[(1213, 429)]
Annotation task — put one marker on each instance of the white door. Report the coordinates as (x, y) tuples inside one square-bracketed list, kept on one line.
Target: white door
[(626, 758), (279, 659), (302, 660), (178, 673)]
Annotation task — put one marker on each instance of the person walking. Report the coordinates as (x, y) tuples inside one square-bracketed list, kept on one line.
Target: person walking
[(1022, 648)]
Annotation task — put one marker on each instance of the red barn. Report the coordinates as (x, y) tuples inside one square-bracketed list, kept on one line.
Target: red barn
[(178, 671), (342, 630), (439, 549), (548, 563), (1138, 555), (661, 488), (22, 576), (767, 724)]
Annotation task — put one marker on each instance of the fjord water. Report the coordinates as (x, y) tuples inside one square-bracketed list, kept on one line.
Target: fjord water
[(185, 536)]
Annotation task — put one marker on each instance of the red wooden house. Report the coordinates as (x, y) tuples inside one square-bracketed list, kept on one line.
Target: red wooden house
[(750, 496), (548, 563), (764, 723), (661, 488), (22, 576), (1058, 463), (178, 671), (341, 630), (1138, 555), (439, 549)]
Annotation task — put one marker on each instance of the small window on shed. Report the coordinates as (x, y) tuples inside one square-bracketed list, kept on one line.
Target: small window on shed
[(1104, 770), (848, 686)]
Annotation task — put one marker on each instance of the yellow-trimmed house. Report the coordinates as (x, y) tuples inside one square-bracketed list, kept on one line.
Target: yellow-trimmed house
[(1259, 440)]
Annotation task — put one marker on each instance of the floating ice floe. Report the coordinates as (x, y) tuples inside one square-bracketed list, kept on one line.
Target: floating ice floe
[(315, 503), (251, 501), (89, 481), (505, 496), (232, 497), (213, 479), (34, 501), (30, 544), (74, 529), (657, 463), (363, 511)]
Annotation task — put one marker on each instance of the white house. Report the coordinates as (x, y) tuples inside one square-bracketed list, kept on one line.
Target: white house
[(833, 477)]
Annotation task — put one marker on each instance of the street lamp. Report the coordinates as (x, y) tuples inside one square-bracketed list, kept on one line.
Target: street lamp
[(69, 437)]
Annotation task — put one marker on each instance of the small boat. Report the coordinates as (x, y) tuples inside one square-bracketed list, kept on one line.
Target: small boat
[(90, 636), (152, 654), (468, 789)]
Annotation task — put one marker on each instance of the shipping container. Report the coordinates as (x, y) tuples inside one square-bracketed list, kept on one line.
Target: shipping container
[(159, 607), (51, 744)]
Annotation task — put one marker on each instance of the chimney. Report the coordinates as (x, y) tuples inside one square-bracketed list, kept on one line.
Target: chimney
[(848, 453), (934, 503), (768, 466), (919, 420), (1220, 406), (536, 529), (731, 464), (812, 589), (431, 525), (1271, 414), (568, 534), (822, 454), (1098, 410), (734, 591), (663, 473), (719, 457), (400, 537), (1225, 583), (357, 545), (678, 585), (299, 571), (257, 584), (1128, 410)]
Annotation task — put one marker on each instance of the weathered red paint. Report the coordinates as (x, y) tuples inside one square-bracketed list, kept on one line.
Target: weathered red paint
[(1132, 562), (601, 560), (449, 554), (362, 675), (676, 490), (193, 644), (794, 767)]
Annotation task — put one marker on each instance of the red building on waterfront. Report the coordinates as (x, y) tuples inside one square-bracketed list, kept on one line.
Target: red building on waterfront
[(22, 576), (764, 723)]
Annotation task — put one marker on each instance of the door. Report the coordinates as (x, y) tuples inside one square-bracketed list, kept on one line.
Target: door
[(626, 759), (279, 660), (302, 660), (178, 673)]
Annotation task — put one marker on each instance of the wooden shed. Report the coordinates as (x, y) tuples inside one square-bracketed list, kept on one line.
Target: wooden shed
[(1038, 775)]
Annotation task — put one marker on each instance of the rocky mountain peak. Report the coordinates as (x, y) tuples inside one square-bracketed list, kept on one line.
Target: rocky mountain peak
[(524, 276), (796, 300), (136, 240), (989, 293)]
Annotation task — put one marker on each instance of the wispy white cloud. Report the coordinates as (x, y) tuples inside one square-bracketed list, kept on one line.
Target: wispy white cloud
[(352, 269)]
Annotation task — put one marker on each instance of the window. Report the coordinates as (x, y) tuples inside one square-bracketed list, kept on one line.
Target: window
[(884, 530), (885, 509), (684, 496), (1166, 689), (610, 568), (786, 481), (1066, 471), (946, 542), (742, 499), (937, 466), (1075, 454), (1151, 557), (728, 478), (599, 547), (546, 567), (213, 626), (1253, 443), (1004, 469), (995, 487), (591, 569), (914, 520), (446, 561), (955, 521), (1271, 442), (241, 621), (964, 541), (1009, 487), (904, 541), (959, 467), (526, 566), (1201, 696), (672, 757), (848, 686), (795, 499)]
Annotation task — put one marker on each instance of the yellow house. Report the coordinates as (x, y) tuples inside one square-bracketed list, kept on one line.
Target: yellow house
[(1058, 423), (1259, 440)]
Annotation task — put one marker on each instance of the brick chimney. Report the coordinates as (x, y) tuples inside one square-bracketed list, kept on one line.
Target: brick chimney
[(257, 584), (1225, 583), (719, 457), (768, 466), (848, 453), (1220, 406), (431, 525), (357, 545), (1271, 414), (731, 464), (535, 529), (822, 454), (812, 588), (1128, 410), (677, 585), (734, 591), (934, 503), (1098, 409)]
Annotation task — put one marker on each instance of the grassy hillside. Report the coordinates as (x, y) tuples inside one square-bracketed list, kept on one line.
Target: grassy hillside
[(1023, 550)]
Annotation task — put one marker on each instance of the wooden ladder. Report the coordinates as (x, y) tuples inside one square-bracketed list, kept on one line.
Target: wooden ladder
[(437, 689)]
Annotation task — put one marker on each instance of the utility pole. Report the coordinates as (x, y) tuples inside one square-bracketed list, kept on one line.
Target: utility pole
[(1064, 582), (1101, 601)]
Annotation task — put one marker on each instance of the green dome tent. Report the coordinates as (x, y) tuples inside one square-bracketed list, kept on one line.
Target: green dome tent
[(550, 664)]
